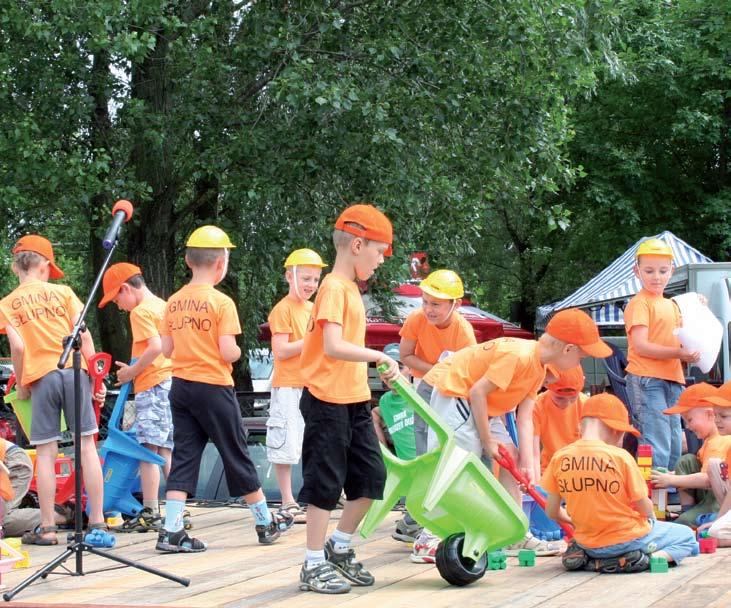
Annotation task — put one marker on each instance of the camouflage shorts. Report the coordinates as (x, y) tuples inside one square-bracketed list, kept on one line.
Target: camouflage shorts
[(153, 420)]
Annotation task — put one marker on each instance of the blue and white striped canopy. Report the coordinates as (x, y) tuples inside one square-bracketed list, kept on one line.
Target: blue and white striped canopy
[(604, 296)]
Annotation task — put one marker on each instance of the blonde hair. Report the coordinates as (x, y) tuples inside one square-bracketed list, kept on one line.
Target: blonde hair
[(203, 256), (342, 239), (26, 260)]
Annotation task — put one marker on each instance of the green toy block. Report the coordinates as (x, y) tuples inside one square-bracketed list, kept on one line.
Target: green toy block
[(658, 564), (526, 557), (497, 560)]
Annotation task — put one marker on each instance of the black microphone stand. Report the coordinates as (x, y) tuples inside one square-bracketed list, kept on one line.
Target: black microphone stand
[(78, 546)]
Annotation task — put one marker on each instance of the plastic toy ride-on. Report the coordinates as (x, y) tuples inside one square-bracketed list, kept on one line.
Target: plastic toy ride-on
[(452, 493)]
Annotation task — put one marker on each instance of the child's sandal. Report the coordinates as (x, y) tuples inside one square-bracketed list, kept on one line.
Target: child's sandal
[(35, 536), (299, 516)]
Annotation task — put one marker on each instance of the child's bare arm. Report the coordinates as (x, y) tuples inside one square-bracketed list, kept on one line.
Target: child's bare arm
[(17, 352), (167, 345), (536, 457), (638, 336), (555, 511), (645, 507), (694, 480), (478, 394), (230, 351), (127, 373), (337, 348), (376, 416), (407, 348), (524, 422), (283, 349)]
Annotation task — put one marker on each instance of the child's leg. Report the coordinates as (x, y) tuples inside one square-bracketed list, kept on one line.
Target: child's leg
[(649, 400), (46, 480), (93, 481), (283, 473), (150, 477), (688, 464), (671, 541), (285, 428)]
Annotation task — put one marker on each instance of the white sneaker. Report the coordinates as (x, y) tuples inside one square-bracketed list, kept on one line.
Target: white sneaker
[(425, 549), (543, 548)]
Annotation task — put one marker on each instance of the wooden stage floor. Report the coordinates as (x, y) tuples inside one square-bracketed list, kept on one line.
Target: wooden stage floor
[(237, 571)]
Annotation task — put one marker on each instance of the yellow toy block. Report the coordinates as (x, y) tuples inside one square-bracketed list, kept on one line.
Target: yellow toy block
[(23, 563)]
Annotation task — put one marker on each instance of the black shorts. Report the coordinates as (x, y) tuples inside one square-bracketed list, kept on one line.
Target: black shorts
[(202, 412), (340, 451)]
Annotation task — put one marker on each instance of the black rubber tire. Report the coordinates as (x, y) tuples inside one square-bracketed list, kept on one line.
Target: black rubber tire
[(454, 568)]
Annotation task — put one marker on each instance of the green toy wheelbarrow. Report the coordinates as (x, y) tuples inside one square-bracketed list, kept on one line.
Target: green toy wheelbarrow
[(452, 493)]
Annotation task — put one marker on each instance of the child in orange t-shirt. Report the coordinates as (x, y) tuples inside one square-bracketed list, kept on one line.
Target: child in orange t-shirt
[(125, 286), (476, 386), (37, 316), (655, 376), (606, 498), (718, 469), (287, 323), (433, 329), (340, 448), (556, 416), (199, 330), (691, 471)]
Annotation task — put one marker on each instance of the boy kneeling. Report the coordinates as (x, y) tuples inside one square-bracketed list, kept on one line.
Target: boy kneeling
[(606, 496)]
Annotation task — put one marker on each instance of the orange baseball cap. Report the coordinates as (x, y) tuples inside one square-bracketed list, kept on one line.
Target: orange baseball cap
[(569, 383), (113, 279), (722, 396), (41, 246), (611, 411), (574, 326), (692, 397), (375, 224)]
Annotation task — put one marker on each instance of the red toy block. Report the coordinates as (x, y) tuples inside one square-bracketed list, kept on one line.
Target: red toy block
[(708, 545)]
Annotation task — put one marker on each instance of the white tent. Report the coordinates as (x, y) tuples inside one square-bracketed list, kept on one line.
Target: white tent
[(605, 295)]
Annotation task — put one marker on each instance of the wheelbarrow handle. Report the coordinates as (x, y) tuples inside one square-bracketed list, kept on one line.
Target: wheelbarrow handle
[(506, 462), (99, 367)]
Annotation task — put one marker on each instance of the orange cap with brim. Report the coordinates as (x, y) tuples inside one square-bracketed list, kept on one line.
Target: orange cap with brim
[(375, 225), (722, 396), (569, 383), (611, 411), (692, 397), (114, 278), (574, 326), (41, 246)]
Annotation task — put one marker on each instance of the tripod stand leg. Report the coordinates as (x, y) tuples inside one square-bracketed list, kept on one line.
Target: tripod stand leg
[(48, 568), (171, 577)]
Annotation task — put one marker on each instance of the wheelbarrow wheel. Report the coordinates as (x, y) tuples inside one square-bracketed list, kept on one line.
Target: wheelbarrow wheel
[(453, 567)]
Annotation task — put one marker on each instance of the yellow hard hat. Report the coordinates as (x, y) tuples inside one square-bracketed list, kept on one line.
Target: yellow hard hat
[(304, 257), (443, 284), (654, 247), (209, 237)]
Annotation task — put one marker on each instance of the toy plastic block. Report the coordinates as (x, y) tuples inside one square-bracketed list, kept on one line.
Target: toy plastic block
[(658, 565), (526, 557), (704, 534), (23, 563), (644, 461), (646, 472), (644, 450), (497, 560), (708, 545)]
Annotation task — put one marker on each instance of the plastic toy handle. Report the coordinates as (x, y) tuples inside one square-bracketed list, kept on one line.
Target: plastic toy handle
[(404, 388), (506, 462), (99, 367), (11, 383), (118, 410)]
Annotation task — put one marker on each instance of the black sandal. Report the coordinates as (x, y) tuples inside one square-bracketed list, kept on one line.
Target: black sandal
[(35, 536)]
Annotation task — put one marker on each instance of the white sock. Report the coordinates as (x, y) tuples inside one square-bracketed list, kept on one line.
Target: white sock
[(341, 541), (314, 558)]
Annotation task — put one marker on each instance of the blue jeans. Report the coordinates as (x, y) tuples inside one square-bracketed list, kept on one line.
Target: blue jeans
[(678, 541), (648, 398)]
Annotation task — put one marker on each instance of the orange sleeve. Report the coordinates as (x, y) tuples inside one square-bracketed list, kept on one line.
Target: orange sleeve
[(73, 304), (636, 314), (410, 328), (228, 319), (548, 480), (466, 335), (144, 325), (331, 307), (280, 321), (636, 485), (164, 324), (501, 369)]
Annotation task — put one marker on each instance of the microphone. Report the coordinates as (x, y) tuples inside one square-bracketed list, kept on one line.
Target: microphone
[(121, 212)]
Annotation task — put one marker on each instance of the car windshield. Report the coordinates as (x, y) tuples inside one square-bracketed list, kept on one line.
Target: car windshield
[(261, 364)]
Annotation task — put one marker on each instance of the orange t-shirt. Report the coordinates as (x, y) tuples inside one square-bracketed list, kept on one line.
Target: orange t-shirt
[(41, 313), (717, 446), (195, 317), (554, 426), (599, 483), (661, 316), (334, 380), (145, 320), (431, 341), (513, 365), (289, 316)]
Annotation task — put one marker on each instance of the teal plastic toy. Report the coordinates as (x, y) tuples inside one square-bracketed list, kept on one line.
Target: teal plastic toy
[(450, 491)]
